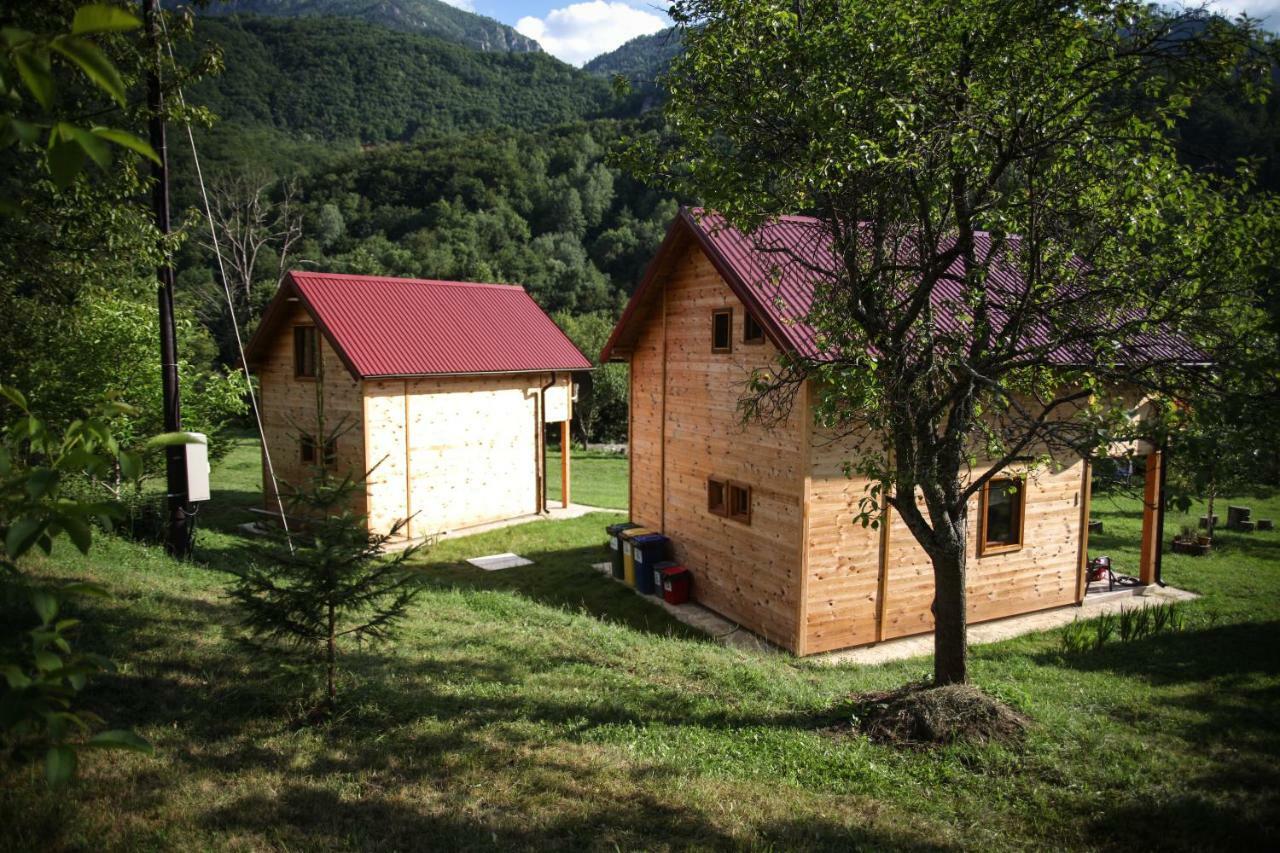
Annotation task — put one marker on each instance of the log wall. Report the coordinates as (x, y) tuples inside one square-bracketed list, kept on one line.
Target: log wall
[(849, 603), (290, 407), (685, 428)]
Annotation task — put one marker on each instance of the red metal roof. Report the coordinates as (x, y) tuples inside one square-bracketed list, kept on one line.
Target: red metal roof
[(773, 270), (413, 327)]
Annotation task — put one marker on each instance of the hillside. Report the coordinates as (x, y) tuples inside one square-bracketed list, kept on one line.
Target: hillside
[(336, 79), (427, 17), (640, 60)]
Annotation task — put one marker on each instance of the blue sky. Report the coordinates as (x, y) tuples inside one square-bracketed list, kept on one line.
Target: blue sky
[(577, 30)]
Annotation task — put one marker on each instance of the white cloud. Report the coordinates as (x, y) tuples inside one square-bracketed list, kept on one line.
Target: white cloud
[(1267, 11), (577, 32)]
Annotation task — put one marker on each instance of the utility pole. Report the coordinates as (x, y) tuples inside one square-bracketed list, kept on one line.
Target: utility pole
[(178, 540)]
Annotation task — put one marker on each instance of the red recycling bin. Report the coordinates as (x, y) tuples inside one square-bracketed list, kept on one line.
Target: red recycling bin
[(677, 583)]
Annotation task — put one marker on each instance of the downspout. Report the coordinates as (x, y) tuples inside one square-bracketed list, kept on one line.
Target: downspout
[(542, 440), (1160, 497)]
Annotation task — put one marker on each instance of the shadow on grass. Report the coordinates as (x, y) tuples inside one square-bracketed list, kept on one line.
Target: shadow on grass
[(564, 579), (1224, 703)]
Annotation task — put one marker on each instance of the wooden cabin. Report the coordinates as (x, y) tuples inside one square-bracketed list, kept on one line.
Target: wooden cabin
[(764, 518), (435, 393)]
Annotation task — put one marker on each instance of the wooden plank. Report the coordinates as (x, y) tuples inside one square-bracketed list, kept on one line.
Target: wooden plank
[(1086, 499), (566, 446), (882, 587), (1150, 521)]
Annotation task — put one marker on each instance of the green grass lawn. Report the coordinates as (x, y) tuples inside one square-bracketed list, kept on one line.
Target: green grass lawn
[(548, 708), (597, 479)]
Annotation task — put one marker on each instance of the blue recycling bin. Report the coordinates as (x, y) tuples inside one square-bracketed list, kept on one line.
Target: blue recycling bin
[(649, 550)]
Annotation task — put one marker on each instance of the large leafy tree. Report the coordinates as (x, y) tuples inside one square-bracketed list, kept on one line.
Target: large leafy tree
[(951, 149)]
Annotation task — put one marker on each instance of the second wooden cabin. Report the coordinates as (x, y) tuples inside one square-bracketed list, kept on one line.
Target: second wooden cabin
[(767, 519), (435, 393)]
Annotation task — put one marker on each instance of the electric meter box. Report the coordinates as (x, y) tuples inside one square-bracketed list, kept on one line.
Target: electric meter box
[(197, 456)]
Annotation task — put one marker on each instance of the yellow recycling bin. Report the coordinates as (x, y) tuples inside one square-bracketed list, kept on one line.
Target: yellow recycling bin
[(629, 554)]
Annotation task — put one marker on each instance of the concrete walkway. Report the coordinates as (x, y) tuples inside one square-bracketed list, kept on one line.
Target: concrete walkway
[(1095, 604), (996, 630)]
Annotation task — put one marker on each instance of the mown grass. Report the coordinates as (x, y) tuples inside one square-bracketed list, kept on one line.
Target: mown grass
[(548, 708), (596, 479)]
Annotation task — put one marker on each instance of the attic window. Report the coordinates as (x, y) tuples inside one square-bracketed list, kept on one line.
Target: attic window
[(722, 330), (1004, 501), (304, 352), (752, 331)]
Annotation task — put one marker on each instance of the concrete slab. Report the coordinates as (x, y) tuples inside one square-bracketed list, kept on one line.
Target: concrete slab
[(1095, 604), (498, 562), (709, 622), (1012, 626)]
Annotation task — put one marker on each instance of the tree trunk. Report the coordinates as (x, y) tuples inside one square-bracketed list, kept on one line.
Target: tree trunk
[(331, 659), (950, 632), (1208, 523)]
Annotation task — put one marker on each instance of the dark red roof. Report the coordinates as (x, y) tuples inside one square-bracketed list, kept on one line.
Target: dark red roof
[(772, 271), (412, 327)]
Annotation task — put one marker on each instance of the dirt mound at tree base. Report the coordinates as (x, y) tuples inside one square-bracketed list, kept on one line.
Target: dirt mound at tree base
[(922, 715)]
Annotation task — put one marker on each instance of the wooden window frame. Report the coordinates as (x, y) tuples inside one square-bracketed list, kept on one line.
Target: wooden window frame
[(721, 509), (308, 449), (987, 549), (299, 355), (727, 489), (715, 315), (748, 321), (735, 489)]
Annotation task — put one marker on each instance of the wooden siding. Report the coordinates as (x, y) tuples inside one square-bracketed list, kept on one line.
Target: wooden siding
[(846, 591), (289, 410), (454, 452), (685, 428)]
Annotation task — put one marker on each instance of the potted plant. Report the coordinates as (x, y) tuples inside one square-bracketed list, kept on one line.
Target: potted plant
[(1189, 541)]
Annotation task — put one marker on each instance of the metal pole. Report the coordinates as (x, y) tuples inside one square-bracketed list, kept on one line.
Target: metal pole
[(178, 541)]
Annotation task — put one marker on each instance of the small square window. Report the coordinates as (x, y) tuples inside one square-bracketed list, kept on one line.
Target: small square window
[(752, 332), (716, 500), (722, 330), (740, 502), (308, 447), (304, 351), (1003, 508)]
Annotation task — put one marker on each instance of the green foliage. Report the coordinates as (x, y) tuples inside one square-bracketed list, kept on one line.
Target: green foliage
[(1128, 625), (428, 17), (601, 411), (42, 671), (339, 79), (41, 680), (327, 584), (27, 57)]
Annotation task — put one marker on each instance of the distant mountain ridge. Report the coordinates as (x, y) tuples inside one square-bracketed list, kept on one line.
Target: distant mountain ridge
[(327, 79), (640, 60), (427, 17)]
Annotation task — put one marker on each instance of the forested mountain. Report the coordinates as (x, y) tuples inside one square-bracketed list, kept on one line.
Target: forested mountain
[(337, 79), (642, 59), (429, 17)]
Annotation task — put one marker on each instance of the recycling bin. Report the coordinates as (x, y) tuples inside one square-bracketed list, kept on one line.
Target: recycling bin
[(628, 552), (615, 546), (677, 584), (648, 551), (658, 569)]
